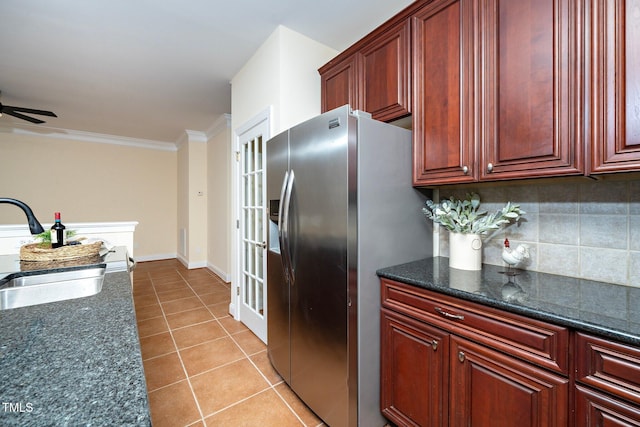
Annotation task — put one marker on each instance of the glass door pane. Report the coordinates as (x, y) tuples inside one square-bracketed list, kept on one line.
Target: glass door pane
[(253, 238)]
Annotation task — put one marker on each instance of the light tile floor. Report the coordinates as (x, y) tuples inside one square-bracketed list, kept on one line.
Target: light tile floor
[(202, 367)]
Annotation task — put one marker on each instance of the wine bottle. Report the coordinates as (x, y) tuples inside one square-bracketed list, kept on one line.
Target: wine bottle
[(58, 234)]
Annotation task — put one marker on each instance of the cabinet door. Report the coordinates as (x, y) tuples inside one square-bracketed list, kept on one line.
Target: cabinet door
[(529, 89), (443, 125), (339, 84), (595, 409), (491, 389), (413, 361), (386, 74), (615, 94)]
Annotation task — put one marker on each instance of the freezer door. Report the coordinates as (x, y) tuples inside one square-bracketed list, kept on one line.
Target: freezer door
[(278, 344), (319, 215)]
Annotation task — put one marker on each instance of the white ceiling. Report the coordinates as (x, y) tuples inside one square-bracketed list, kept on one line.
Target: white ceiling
[(151, 69)]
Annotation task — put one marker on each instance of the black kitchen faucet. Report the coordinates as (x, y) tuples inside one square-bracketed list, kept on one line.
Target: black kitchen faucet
[(34, 225)]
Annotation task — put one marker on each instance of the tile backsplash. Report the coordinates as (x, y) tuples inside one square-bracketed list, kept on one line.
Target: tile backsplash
[(585, 229)]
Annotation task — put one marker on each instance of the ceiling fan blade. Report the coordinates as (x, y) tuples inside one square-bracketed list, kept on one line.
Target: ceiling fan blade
[(8, 108), (22, 116)]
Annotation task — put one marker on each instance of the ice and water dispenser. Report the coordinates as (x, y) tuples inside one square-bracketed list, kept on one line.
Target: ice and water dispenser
[(274, 209)]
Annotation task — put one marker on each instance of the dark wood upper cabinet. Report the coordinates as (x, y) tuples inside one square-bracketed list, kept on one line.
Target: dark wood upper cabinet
[(502, 89), (339, 82), (373, 75), (386, 74), (528, 71), (497, 90), (443, 118), (615, 90)]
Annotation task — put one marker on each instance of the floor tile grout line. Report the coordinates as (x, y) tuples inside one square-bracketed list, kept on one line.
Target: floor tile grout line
[(246, 355), (223, 328), (287, 403), (228, 334), (177, 349), (272, 386), (269, 385), (182, 327), (184, 369), (266, 389), (188, 377)]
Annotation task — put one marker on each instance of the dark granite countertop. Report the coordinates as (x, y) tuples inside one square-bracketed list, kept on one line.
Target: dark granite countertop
[(74, 362), (604, 309)]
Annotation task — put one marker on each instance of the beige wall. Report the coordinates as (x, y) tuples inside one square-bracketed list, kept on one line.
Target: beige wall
[(192, 200), (105, 182), (283, 73), (220, 224), (183, 202), (92, 182)]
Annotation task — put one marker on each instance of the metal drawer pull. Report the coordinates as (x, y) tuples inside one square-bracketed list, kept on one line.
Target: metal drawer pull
[(448, 315), (461, 356), (434, 344)]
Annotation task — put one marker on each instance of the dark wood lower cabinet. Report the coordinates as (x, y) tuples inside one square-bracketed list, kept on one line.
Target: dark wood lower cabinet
[(414, 357), (491, 389), (433, 378), (608, 382), (595, 409), (446, 361)]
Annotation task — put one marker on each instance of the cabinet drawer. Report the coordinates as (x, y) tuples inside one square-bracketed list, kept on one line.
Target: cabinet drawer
[(532, 340), (594, 409), (608, 366)]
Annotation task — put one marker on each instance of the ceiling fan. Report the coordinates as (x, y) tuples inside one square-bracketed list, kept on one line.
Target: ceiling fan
[(17, 112)]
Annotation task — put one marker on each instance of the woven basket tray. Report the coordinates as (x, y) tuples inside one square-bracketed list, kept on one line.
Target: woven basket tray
[(40, 252)]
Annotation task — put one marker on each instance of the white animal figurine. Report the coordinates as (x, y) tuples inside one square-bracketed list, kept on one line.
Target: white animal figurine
[(515, 256)]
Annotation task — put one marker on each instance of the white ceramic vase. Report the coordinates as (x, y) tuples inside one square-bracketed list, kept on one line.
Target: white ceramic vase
[(465, 251)]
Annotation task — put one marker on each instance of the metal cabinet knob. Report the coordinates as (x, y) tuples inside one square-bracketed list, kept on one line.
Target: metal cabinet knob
[(461, 356), (465, 169), (434, 344), (490, 167)]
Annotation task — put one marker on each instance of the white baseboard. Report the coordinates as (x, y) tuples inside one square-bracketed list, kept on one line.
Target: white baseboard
[(232, 311), (190, 265), (183, 260), (155, 257), (201, 264), (219, 272)]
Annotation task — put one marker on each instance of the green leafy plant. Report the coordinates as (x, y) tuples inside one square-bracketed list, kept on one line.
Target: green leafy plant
[(45, 236), (464, 216)]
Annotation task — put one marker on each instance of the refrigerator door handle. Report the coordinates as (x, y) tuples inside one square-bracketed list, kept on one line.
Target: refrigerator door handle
[(285, 181), (281, 219), (286, 249)]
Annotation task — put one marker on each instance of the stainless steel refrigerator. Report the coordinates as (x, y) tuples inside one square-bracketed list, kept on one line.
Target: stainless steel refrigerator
[(341, 205)]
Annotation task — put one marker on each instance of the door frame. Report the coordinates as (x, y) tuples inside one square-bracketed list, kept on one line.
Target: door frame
[(236, 244)]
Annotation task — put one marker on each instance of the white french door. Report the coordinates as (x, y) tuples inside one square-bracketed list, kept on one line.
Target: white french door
[(252, 262)]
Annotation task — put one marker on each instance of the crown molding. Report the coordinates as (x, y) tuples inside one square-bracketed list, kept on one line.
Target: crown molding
[(191, 136), (220, 125), (76, 135)]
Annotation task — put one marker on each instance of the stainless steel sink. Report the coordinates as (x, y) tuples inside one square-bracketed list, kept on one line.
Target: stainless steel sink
[(24, 289)]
